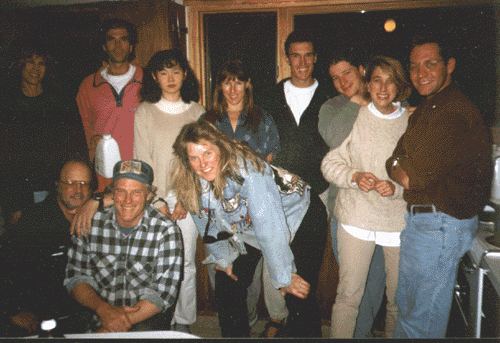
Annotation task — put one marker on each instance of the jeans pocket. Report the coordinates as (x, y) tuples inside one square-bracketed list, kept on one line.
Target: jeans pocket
[(427, 222)]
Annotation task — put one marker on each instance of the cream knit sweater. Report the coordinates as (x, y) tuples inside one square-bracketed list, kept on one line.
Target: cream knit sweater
[(366, 149), (155, 132)]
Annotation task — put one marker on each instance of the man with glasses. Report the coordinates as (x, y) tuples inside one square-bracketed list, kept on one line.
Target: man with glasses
[(127, 270), (443, 161), (33, 258)]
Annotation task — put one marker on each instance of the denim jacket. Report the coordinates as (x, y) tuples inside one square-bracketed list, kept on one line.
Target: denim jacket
[(258, 213)]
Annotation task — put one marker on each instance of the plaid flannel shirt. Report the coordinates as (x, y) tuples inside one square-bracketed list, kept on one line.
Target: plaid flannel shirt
[(145, 265)]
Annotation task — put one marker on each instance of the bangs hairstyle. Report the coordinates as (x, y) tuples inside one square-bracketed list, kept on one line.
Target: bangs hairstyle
[(186, 183), (395, 70), (151, 90), (231, 71)]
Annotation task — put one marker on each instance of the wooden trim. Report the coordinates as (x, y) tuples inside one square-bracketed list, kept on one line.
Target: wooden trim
[(207, 5), (286, 10)]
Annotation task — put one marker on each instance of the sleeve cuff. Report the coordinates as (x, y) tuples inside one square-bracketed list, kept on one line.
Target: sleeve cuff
[(75, 281), (154, 298)]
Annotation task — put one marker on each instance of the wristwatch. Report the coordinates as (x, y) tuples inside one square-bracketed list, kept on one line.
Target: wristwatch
[(99, 197), (396, 161)]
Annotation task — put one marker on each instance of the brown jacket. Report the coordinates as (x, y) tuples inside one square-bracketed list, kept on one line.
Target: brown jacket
[(448, 155)]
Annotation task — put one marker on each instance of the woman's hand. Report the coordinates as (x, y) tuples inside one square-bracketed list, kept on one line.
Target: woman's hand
[(385, 188), (299, 287), (179, 212), (228, 271), (366, 181), (82, 221), (270, 157), (165, 210)]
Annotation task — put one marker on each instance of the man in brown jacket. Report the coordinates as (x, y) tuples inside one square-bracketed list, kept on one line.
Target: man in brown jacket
[(443, 161)]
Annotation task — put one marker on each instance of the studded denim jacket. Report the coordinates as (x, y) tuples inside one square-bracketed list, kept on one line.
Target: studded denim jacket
[(262, 210)]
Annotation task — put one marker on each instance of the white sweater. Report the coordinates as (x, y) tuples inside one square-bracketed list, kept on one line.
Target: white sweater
[(370, 143), (155, 132)]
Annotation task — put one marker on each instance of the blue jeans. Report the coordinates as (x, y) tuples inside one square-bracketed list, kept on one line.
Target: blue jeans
[(374, 289), (431, 247)]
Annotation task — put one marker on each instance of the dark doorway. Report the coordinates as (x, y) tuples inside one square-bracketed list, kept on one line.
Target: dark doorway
[(250, 37)]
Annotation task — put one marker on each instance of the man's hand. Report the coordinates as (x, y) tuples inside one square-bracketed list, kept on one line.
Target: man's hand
[(299, 287), (228, 271), (398, 175), (115, 318), (366, 181), (25, 320), (82, 221), (179, 212), (410, 110), (385, 188)]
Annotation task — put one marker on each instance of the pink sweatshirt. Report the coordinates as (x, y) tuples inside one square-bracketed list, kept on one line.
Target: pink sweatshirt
[(103, 111)]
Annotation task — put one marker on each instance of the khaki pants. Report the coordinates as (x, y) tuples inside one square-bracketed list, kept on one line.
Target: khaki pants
[(354, 258)]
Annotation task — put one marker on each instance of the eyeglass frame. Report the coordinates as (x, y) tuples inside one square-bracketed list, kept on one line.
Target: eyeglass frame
[(74, 184)]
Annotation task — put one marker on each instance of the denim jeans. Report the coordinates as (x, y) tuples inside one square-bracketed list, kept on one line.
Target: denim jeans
[(431, 247), (374, 289)]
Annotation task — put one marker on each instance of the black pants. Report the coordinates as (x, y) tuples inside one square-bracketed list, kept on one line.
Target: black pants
[(307, 247)]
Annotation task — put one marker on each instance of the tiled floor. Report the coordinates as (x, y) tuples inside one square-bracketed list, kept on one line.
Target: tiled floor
[(208, 327)]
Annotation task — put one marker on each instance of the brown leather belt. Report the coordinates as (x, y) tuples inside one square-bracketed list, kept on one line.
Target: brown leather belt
[(421, 209)]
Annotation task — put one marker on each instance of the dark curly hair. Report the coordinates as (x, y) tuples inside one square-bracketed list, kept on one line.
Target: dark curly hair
[(115, 23), (151, 91)]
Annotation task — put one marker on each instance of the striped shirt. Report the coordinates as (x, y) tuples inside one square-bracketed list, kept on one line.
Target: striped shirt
[(147, 264)]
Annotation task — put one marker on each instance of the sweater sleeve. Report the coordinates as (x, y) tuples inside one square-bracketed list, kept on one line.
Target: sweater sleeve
[(337, 165), (143, 149), (86, 112), (336, 118)]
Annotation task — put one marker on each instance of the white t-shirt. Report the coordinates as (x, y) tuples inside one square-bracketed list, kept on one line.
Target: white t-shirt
[(299, 98), (118, 81)]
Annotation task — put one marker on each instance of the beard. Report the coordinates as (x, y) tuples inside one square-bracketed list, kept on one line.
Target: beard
[(66, 202)]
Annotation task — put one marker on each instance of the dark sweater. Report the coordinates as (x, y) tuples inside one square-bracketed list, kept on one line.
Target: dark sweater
[(37, 134), (33, 255), (449, 158), (302, 148)]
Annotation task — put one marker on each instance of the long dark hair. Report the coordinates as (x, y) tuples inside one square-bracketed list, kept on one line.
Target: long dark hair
[(151, 91), (234, 70), (29, 50)]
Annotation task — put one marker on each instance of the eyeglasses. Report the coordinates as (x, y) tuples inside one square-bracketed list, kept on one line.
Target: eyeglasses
[(430, 65), (73, 184), (221, 236)]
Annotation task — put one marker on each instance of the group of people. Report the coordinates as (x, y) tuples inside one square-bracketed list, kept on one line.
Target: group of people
[(402, 185)]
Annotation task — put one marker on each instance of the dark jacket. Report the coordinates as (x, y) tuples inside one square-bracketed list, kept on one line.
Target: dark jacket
[(33, 256), (448, 157), (302, 148)]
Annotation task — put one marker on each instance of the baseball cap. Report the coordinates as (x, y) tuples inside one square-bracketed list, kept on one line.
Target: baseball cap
[(135, 170)]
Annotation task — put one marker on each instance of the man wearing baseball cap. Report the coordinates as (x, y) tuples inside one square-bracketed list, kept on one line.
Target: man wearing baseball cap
[(128, 269)]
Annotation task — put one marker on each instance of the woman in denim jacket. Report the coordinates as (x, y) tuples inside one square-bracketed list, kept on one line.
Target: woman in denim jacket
[(245, 209)]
